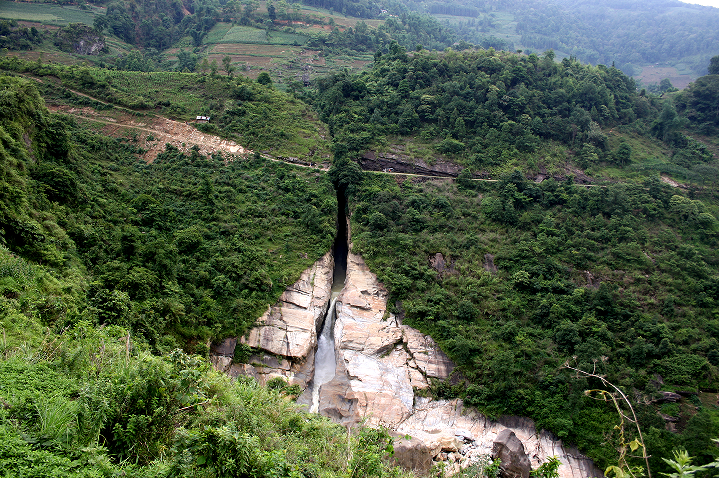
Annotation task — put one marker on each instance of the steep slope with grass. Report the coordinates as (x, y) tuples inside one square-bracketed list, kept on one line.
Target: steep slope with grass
[(177, 250), (92, 402), (256, 116)]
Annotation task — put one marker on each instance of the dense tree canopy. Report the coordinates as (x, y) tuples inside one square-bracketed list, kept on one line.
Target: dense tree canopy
[(481, 106), (621, 277)]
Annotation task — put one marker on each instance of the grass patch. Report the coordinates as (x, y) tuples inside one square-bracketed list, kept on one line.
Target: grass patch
[(242, 34), (225, 33), (217, 33), (46, 13)]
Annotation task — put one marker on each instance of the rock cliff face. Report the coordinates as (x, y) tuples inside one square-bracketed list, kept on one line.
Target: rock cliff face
[(379, 361), (400, 162), (286, 335), (437, 422), (380, 365)]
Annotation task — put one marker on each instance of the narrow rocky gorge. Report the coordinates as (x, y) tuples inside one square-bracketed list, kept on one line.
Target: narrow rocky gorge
[(380, 365)]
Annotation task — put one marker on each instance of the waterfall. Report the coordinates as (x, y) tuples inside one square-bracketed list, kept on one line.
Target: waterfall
[(325, 363), (325, 356)]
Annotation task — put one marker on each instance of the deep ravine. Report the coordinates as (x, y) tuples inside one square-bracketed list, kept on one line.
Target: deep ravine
[(325, 356), (331, 333)]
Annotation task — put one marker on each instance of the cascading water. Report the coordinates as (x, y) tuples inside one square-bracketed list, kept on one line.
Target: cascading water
[(325, 363)]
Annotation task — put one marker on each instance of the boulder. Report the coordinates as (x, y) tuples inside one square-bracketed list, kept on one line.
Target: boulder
[(489, 264), (412, 454), (669, 397), (221, 363), (510, 451), (225, 348)]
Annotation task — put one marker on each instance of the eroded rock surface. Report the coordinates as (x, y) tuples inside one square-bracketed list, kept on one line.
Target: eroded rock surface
[(286, 335), (380, 364), (510, 451), (379, 361), (399, 161), (433, 421)]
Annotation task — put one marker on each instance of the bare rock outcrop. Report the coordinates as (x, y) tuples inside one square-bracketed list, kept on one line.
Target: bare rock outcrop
[(285, 337), (514, 462), (477, 434), (380, 364), (379, 361), (399, 161)]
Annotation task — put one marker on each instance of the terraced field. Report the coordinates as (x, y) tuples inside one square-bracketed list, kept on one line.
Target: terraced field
[(284, 62), (48, 13)]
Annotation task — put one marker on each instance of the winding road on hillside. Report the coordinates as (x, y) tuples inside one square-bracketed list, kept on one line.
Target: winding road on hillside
[(152, 132)]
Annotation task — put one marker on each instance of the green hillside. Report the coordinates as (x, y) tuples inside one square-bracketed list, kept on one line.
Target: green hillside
[(250, 113), (492, 111), (582, 229), (106, 261), (618, 276)]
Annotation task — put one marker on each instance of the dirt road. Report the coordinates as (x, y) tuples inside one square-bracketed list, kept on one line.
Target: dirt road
[(152, 132)]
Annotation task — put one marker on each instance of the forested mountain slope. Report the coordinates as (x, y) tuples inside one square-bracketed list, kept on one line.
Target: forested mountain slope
[(628, 34), (106, 261), (178, 249), (515, 278), (491, 111)]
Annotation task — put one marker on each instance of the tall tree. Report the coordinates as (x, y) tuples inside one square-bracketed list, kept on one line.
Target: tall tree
[(227, 65), (714, 65)]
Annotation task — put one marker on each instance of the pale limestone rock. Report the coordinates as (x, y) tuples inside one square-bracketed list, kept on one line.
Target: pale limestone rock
[(452, 418), (429, 359), (380, 360), (286, 335), (379, 364), (289, 328), (221, 363)]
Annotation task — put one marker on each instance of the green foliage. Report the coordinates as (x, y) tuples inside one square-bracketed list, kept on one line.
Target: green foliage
[(547, 469), (185, 248), (259, 118), (481, 107), (14, 37), (373, 447), (698, 103), (264, 79), (713, 68), (681, 464), (88, 403), (580, 31), (618, 277)]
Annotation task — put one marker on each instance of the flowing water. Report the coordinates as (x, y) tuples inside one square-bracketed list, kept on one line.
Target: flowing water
[(325, 363)]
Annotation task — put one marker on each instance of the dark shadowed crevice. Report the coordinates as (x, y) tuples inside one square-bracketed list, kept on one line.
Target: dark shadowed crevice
[(325, 361)]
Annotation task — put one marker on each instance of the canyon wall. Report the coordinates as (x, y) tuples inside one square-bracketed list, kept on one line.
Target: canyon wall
[(285, 337), (380, 366)]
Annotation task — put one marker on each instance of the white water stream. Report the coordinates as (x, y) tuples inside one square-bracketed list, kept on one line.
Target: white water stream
[(325, 363)]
